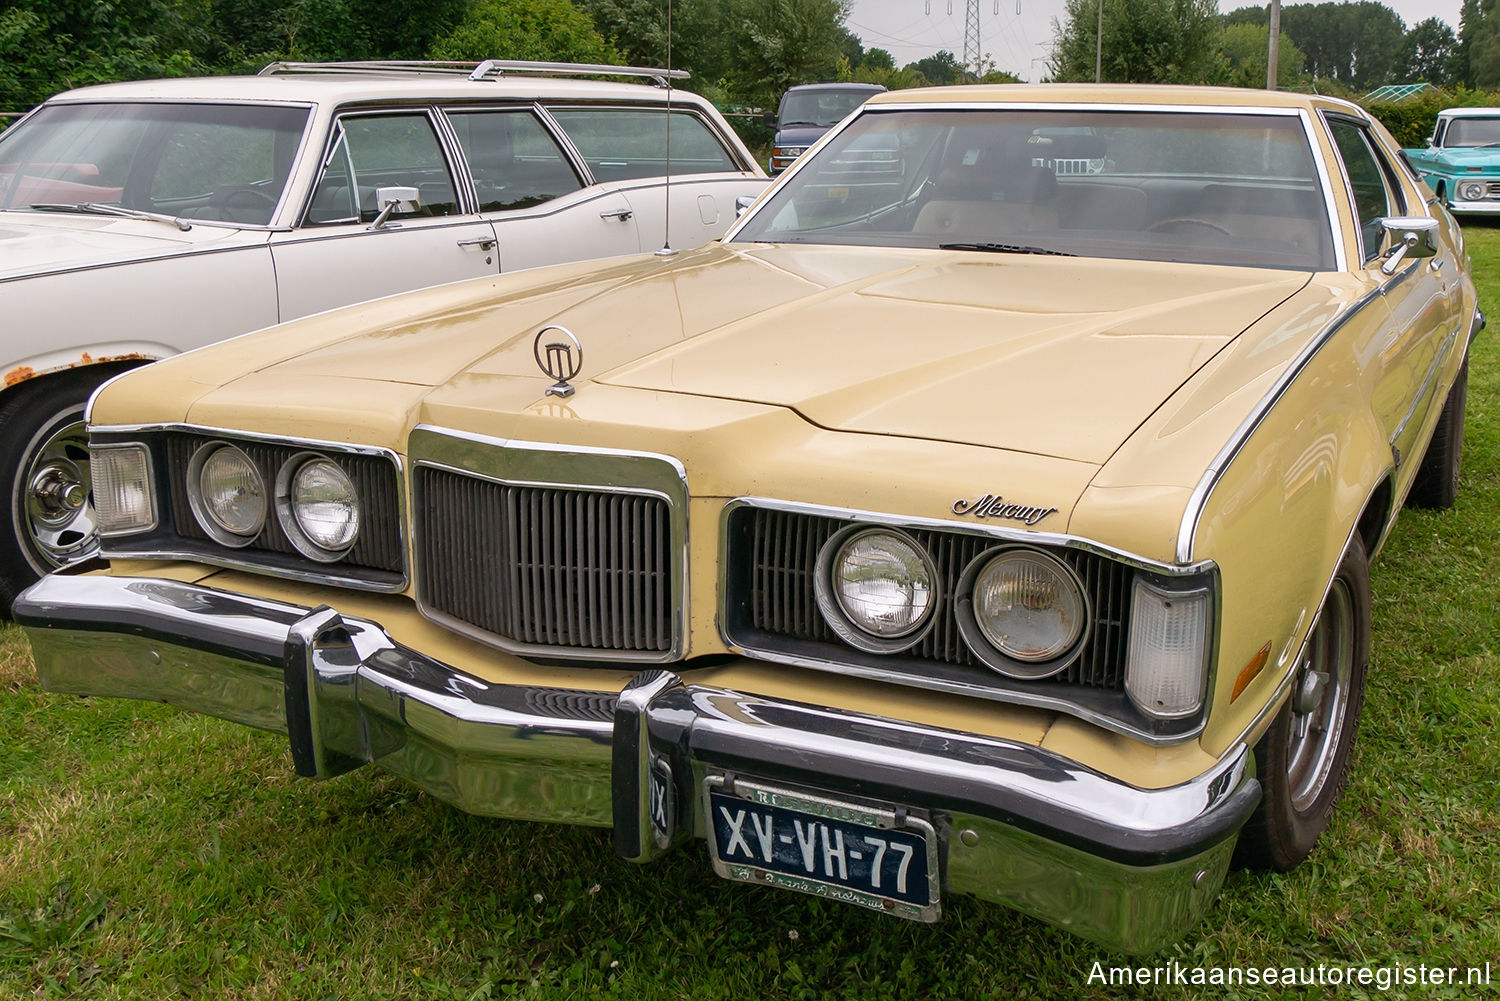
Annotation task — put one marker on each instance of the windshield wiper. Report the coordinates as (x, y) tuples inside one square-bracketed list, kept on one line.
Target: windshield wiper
[(99, 208), (787, 125), (1005, 248)]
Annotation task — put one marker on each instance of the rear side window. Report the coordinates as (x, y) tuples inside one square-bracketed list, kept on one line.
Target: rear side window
[(623, 143), (377, 151), (514, 160)]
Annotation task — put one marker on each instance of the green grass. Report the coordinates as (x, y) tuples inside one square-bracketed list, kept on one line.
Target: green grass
[(148, 853)]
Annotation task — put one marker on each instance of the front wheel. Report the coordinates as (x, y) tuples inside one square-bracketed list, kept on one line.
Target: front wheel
[(44, 458), (1303, 759)]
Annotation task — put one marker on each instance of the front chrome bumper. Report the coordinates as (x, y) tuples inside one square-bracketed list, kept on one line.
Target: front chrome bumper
[(1128, 867), (1488, 206)]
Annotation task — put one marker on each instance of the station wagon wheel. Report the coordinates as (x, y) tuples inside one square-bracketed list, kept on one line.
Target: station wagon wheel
[(1303, 758), (44, 457)]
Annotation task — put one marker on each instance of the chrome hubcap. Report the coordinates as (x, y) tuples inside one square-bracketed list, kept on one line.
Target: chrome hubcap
[(59, 518), (1320, 699)]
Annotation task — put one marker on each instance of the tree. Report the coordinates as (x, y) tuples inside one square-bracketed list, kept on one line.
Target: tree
[(1246, 46), (1484, 46), (1145, 41), (878, 59), (1357, 44), (939, 69), (525, 29), (781, 43), (1427, 54), (1468, 21)]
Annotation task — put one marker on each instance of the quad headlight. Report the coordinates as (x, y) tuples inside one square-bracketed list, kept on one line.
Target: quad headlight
[(1022, 612), (227, 494), (318, 506), (877, 588)]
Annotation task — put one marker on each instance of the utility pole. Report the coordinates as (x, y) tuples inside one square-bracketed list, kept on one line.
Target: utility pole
[(1099, 47), (1272, 54)]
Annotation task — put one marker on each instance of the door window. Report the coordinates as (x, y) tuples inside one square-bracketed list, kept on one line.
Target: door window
[(378, 151), (623, 143), (514, 161), (1367, 181)]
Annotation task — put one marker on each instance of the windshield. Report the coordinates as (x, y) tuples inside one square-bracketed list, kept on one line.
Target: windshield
[(1164, 186), (824, 108), (225, 163), (1472, 132)]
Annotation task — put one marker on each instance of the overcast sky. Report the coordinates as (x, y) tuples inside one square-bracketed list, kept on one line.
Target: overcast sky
[(913, 29)]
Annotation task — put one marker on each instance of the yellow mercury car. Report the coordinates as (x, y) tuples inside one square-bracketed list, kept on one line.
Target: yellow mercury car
[(979, 526)]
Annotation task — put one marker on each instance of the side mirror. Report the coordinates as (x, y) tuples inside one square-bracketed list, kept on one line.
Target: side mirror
[(395, 199), (742, 203), (1413, 237), (769, 118)]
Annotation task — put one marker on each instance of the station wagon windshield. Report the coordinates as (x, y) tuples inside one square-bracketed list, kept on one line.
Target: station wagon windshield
[(1239, 189), (211, 162)]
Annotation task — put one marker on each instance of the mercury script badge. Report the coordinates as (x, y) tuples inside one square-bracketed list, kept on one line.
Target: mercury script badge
[(995, 506), (560, 357)]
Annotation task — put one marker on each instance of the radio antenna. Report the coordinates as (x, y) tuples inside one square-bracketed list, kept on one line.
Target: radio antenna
[(666, 237)]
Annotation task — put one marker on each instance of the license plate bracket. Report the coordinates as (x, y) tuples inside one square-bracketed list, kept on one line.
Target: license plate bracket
[(877, 856)]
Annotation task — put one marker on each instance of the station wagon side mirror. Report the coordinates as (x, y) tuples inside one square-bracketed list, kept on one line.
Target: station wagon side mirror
[(742, 203), (394, 199), (1411, 237)]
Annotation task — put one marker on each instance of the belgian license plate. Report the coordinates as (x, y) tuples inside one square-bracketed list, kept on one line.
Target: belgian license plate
[(873, 856)]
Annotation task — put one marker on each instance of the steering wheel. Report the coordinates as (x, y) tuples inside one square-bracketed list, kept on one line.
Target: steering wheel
[(244, 197), (1190, 220)]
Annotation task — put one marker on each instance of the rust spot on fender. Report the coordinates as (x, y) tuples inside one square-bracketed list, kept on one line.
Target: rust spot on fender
[(86, 359), (19, 374), (133, 356)]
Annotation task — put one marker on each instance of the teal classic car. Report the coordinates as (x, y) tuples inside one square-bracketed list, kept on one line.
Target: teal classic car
[(1462, 160)]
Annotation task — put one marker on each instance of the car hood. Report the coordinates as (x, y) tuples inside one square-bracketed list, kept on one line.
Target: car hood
[(32, 243), (1462, 157), (800, 135), (1054, 356)]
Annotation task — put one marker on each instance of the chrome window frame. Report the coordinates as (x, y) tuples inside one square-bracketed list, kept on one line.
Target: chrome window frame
[(1041, 540), (1345, 118), (327, 572), (1309, 133), (552, 465), (569, 155), (686, 107)]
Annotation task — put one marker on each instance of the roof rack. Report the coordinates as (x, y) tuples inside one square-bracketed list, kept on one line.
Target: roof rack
[(486, 69)]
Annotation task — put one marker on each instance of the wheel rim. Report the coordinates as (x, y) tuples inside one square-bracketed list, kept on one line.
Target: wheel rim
[(1320, 700), (58, 518)]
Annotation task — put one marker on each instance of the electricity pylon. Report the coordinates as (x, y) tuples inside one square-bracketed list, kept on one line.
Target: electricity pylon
[(973, 51)]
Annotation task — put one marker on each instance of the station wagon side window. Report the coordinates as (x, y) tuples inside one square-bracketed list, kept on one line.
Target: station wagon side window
[(1367, 182), (377, 151), (514, 161), (620, 143)]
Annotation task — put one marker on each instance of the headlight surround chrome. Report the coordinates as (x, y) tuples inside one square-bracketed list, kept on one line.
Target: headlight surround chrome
[(877, 588), (318, 506), (1022, 612), (1472, 191), (227, 494)]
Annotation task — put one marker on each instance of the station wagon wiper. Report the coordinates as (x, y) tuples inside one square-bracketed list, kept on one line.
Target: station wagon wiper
[(99, 208), (1004, 248)]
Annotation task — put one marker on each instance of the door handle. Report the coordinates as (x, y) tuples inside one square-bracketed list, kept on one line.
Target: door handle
[(482, 242), (620, 214)]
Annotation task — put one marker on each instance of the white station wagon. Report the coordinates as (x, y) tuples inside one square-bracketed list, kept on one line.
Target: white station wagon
[(138, 220)]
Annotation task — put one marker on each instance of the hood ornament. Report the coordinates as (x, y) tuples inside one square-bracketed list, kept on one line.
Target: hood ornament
[(560, 359)]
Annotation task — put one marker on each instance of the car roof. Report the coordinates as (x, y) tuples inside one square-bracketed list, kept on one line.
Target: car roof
[(344, 88), (1114, 94), (1470, 113), (873, 88)]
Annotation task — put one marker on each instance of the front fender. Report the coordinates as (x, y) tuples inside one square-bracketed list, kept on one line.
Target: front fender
[(23, 370)]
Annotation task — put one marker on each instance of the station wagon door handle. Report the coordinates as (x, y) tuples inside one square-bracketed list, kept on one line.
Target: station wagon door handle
[(620, 214), (482, 242)]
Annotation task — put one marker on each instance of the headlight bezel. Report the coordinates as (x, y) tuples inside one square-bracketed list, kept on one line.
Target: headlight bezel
[(199, 504), (834, 610), (286, 508), (990, 652), (1472, 191)]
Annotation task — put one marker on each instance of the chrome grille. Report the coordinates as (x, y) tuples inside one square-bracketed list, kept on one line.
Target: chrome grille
[(780, 549), (549, 567)]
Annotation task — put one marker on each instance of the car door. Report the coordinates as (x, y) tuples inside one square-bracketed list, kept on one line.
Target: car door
[(531, 188), (1421, 297), (348, 249), (625, 149)]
